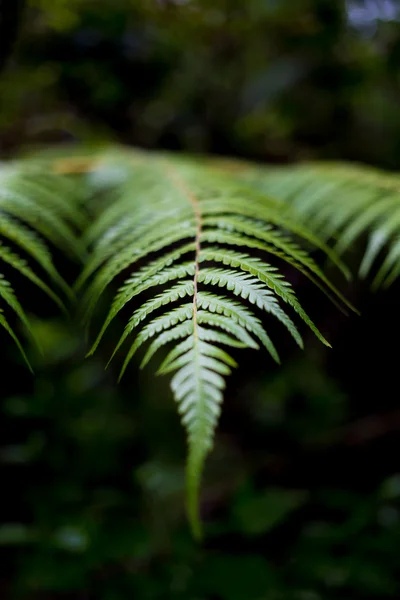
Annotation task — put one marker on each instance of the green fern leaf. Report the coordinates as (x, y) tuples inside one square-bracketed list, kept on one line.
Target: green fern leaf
[(10, 331), (176, 230), (340, 202), (36, 207)]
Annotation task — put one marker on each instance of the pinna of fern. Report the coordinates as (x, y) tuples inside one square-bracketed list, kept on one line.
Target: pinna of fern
[(340, 202), (199, 248), (36, 208)]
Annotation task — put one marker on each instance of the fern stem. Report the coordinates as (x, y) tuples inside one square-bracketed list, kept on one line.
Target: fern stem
[(193, 469), (177, 181), (74, 165)]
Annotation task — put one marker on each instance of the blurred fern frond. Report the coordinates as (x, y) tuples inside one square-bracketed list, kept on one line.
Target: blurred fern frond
[(37, 210), (340, 202)]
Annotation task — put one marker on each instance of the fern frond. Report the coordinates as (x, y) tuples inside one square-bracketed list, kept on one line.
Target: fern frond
[(36, 207), (179, 231), (341, 202)]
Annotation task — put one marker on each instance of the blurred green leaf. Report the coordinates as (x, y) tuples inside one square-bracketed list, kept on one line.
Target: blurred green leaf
[(255, 512)]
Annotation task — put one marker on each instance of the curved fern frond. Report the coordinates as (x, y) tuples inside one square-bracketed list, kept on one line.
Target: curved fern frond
[(204, 254), (341, 202), (36, 207)]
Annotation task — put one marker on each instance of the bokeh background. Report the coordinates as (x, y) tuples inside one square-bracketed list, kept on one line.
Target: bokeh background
[(301, 497)]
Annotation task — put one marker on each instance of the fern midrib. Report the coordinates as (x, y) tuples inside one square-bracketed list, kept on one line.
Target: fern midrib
[(182, 187)]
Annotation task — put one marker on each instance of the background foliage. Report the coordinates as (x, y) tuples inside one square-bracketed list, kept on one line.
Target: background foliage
[(302, 495)]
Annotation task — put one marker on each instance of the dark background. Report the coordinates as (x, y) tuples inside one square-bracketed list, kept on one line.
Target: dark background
[(301, 497)]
